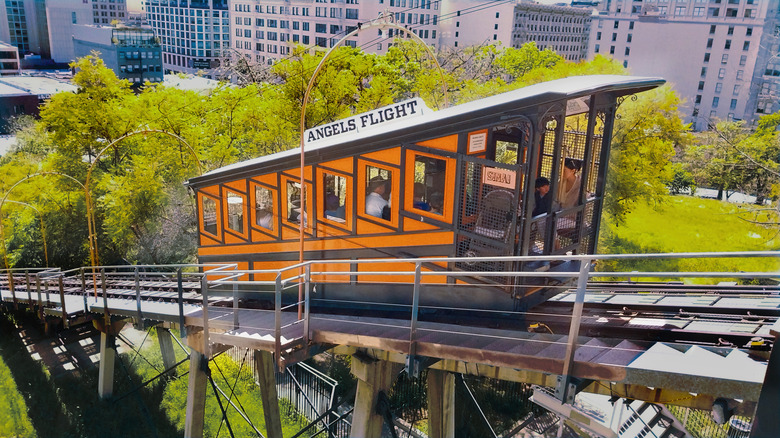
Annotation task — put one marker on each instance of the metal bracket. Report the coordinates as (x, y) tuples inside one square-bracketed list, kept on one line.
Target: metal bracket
[(567, 388), (415, 364)]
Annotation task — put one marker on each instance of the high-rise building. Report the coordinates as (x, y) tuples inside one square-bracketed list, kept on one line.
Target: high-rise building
[(562, 29), (133, 53), (721, 56), (107, 11), (193, 33), (23, 24)]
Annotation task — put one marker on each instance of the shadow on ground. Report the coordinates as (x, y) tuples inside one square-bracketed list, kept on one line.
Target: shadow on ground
[(57, 376)]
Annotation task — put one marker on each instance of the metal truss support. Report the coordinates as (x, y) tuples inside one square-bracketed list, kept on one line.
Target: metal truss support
[(264, 364), (441, 404), (374, 376)]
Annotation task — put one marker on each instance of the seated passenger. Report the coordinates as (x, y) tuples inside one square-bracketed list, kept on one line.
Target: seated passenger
[(437, 203), (376, 199), (419, 192), (569, 193), (542, 196), (264, 218), (333, 209)]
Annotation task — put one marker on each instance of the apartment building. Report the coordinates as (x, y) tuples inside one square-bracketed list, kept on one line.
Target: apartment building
[(194, 34), (106, 11), (265, 31), (133, 53), (721, 56), (560, 28)]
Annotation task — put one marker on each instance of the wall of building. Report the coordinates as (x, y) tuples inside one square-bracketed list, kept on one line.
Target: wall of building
[(62, 15)]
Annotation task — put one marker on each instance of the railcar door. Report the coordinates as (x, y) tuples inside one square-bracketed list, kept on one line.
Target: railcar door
[(490, 198)]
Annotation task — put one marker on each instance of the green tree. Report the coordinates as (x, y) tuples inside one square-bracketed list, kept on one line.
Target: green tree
[(644, 138)]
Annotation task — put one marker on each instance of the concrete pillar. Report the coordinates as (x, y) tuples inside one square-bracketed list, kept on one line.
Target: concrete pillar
[(106, 369), (196, 396), (266, 377), (166, 348), (441, 404), (373, 376)]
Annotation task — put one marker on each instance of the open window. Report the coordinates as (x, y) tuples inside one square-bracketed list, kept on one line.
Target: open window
[(335, 198), (378, 194), (235, 212), (209, 216), (293, 212), (264, 212), (428, 177)]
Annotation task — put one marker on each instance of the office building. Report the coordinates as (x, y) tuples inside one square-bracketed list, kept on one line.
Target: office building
[(193, 34), (132, 53), (62, 16), (9, 60), (107, 11), (23, 24), (562, 29), (721, 56)]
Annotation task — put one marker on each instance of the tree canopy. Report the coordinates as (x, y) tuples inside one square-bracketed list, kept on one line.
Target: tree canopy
[(143, 213)]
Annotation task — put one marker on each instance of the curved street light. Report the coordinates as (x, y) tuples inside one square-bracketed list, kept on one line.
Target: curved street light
[(385, 20)]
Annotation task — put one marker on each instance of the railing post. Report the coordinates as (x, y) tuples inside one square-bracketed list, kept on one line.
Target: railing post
[(38, 290), (11, 286), (278, 321), (204, 291), (46, 289), (306, 302), (180, 290), (62, 302), (564, 392), (105, 294), (415, 308), (27, 285), (138, 296), (235, 306), (84, 290)]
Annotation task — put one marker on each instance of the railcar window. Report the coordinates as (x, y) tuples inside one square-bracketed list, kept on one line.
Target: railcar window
[(294, 202), (235, 219), (209, 215), (264, 208), (429, 179), (378, 186), (335, 192)]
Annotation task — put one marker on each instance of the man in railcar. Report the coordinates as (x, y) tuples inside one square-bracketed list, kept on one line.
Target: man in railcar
[(542, 196), (376, 200)]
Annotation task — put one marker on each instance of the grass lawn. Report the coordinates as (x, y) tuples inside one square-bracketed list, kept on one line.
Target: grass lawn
[(689, 224), (14, 420)]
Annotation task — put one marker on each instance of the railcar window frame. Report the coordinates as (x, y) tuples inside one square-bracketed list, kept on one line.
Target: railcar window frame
[(274, 225), (227, 193), (450, 165), (322, 194), (202, 198), (362, 191), (285, 204)]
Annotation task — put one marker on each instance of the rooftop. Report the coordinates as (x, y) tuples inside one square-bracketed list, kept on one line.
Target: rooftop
[(40, 86)]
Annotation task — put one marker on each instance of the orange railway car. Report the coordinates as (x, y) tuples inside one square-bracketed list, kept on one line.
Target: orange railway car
[(404, 181)]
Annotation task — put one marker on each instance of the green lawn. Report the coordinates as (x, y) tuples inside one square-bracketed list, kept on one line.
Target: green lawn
[(14, 421), (688, 224)]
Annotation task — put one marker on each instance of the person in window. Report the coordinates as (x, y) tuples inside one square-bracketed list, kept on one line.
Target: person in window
[(419, 192), (333, 210), (542, 196), (264, 218), (569, 194), (437, 203), (376, 201)]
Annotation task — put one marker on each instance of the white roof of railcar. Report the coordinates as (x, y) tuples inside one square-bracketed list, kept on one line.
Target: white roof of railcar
[(557, 89)]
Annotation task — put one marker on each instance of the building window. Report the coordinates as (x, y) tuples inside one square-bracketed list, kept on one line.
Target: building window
[(736, 88), (712, 29), (746, 46), (707, 57), (733, 104), (742, 60), (730, 31), (718, 87), (598, 36), (701, 86), (727, 46), (628, 51), (628, 38), (724, 59), (597, 48), (611, 50), (749, 31), (721, 73), (698, 99), (740, 74), (715, 101), (614, 36), (631, 26), (709, 43), (703, 72), (617, 25)]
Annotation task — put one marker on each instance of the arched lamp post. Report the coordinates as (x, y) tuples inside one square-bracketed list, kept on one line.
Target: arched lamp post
[(386, 20)]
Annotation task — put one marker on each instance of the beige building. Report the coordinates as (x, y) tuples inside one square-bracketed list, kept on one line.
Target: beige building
[(9, 60), (563, 29), (721, 56)]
